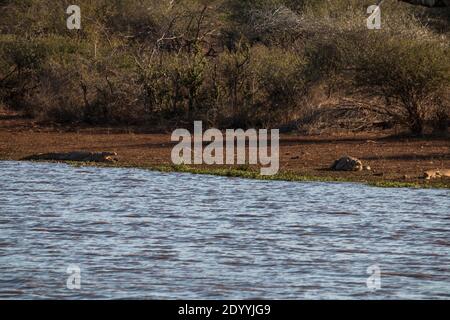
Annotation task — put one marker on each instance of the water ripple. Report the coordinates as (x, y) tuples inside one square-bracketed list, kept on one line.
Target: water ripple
[(148, 235)]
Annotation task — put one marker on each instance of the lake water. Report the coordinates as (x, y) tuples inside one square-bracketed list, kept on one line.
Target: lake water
[(149, 235)]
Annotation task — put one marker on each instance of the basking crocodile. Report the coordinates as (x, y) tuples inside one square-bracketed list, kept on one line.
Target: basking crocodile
[(81, 156), (348, 164)]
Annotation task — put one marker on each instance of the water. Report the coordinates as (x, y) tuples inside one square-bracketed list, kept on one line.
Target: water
[(149, 235)]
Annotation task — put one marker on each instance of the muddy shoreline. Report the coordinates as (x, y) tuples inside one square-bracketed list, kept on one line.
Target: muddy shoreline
[(395, 161)]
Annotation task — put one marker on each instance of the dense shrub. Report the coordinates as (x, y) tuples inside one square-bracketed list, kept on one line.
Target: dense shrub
[(410, 75), (280, 87), (20, 66), (230, 63)]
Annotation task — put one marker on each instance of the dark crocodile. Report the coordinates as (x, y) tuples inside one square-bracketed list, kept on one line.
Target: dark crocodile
[(78, 156)]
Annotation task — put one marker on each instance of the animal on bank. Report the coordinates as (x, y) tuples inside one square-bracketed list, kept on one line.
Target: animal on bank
[(348, 163), (432, 174), (78, 156)]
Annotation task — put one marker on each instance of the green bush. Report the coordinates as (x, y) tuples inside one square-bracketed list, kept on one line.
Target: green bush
[(279, 86), (20, 65), (410, 75)]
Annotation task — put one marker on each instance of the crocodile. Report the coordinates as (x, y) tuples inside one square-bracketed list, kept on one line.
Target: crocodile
[(78, 156), (347, 164)]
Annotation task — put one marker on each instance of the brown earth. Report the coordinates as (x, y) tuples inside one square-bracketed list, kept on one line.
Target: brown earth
[(393, 159)]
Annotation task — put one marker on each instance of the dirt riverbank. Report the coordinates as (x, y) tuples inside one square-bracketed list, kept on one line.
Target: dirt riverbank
[(395, 161)]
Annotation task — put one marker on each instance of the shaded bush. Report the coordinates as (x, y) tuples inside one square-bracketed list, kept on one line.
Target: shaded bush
[(410, 75), (280, 89), (248, 87), (20, 65)]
